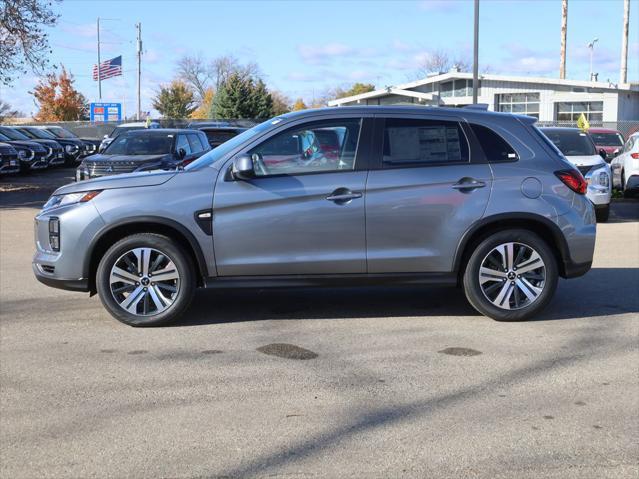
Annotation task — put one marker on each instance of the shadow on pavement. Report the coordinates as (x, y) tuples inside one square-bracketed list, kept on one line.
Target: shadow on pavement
[(601, 292)]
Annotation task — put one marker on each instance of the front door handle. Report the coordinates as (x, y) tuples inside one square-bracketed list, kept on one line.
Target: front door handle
[(468, 184), (343, 195)]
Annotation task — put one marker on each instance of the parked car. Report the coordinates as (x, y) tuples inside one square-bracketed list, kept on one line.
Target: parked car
[(73, 147), (580, 150), (31, 155), (9, 162), (123, 128), (217, 132), (610, 141), (89, 146), (418, 196), (55, 152), (625, 167), (144, 150)]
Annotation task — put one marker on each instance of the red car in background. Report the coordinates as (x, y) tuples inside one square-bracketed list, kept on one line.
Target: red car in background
[(607, 140)]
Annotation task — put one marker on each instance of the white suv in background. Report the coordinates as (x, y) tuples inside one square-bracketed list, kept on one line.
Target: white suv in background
[(625, 167), (580, 150)]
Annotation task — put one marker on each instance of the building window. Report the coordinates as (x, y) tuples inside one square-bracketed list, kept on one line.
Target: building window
[(457, 88), (520, 103), (571, 111)]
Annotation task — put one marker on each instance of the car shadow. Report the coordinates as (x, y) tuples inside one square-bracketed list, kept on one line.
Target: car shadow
[(602, 292)]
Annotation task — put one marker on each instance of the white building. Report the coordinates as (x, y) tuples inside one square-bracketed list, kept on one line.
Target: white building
[(548, 99)]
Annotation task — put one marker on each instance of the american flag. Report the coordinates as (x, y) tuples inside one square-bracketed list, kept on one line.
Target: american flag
[(108, 68)]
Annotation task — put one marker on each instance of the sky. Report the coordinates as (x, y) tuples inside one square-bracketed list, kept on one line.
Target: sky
[(305, 47)]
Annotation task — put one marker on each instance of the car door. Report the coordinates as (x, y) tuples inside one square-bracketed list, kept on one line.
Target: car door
[(303, 211), (423, 194)]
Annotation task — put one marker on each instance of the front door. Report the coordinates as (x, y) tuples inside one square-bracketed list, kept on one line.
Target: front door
[(303, 212), (424, 194)]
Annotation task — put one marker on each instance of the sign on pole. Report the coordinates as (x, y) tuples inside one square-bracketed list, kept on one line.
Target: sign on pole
[(106, 112)]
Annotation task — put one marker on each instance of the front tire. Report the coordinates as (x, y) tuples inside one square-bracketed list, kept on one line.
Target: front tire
[(146, 279), (511, 275)]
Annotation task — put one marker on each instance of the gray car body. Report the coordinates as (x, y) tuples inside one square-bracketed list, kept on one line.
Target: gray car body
[(410, 225)]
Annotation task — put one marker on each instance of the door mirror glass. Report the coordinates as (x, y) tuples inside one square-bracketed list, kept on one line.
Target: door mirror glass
[(243, 168), (181, 153), (603, 154)]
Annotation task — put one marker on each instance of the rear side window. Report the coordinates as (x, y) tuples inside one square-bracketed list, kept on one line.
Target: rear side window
[(415, 142), (494, 146)]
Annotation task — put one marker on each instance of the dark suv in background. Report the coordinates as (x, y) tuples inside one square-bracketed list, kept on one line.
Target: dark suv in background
[(382, 195), (55, 152), (73, 147), (32, 155), (217, 132), (144, 150)]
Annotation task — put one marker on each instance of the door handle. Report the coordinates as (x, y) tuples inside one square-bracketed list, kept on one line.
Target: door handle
[(468, 184), (343, 195)]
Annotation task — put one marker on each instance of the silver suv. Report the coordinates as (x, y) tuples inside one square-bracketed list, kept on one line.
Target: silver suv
[(371, 195)]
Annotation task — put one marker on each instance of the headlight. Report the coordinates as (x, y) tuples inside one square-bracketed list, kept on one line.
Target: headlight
[(49, 152), (603, 179), (57, 201), (71, 148), (22, 154)]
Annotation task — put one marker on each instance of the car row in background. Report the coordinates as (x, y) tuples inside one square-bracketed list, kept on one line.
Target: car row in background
[(580, 150), (625, 167), (143, 150)]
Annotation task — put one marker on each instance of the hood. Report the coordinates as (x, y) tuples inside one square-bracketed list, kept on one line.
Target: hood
[(127, 180), (126, 158), (33, 145), (587, 160), (70, 141), (50, 143)]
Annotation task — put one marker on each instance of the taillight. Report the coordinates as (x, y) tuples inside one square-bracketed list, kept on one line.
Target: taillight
[(573, 180), (635, 155)]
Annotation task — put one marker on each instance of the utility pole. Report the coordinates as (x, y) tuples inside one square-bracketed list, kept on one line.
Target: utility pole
[(476, 55), (99, 74), (591, 46), (564, 30), (139, 48), (623, 73)]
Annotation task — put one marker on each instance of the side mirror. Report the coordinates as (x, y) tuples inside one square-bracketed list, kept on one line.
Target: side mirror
[(105, 136), (181, 153), (603, 154), (616, 152), (243, 168)]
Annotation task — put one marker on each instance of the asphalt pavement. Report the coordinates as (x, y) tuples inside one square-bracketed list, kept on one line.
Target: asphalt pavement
[(357, 382)]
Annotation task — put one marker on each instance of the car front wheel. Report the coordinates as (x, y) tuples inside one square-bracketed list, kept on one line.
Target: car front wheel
[(511, 275), (146, 280)]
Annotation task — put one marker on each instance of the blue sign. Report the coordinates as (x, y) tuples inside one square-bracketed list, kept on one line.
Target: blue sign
[(106, 112)]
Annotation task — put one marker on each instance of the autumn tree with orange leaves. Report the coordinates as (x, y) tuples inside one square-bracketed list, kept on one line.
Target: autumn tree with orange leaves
[(58, 100)]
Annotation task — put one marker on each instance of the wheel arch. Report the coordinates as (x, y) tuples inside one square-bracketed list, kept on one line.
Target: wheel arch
[(106, 237), (538, 224)]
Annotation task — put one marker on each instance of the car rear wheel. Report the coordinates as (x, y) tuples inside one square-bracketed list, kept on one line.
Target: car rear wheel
[(511, 275), (146, 280)]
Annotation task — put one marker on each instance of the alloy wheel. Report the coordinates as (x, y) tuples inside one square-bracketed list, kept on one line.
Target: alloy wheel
[(144, 281), (512, 276)]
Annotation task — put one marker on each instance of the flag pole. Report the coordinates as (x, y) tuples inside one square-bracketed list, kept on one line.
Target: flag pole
[(99, 75), (139, 48)]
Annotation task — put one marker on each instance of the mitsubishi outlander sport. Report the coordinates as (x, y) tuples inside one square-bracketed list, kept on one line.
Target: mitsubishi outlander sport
[(406, 195)]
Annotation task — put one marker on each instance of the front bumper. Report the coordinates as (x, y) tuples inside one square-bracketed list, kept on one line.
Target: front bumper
[(81, 285)]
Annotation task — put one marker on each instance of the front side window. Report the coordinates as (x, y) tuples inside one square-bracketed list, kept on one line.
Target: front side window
[(194, 141), (312, 148), (422, 142), (183, 144)]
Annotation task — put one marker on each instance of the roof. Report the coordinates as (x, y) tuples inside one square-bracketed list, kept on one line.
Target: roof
[(603, 130), (560, 129), (155, 131), (401, 89)]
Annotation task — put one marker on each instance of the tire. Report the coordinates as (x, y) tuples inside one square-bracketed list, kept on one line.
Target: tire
[(602, 214), (515, 302), (149, 302)]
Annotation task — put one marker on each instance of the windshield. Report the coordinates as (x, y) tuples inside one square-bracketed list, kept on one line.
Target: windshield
[(39, 133), (221, 151), (140, 144), (571, 142), (4, 138), (12, 134), (118, 130), (61, 132), (607, 139)]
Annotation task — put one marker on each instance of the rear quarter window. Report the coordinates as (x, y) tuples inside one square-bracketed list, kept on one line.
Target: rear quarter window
[(494, 146)]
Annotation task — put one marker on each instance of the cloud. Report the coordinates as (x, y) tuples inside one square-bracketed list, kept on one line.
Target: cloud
[(319, 53), (521, 59)]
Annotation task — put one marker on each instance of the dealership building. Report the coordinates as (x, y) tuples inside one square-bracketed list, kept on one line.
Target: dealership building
[(548, 99)]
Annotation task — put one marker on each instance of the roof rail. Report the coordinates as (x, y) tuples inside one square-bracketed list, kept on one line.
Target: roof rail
[(477, 106)]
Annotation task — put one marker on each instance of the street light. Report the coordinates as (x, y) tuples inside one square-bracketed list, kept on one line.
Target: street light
[(591, 45)]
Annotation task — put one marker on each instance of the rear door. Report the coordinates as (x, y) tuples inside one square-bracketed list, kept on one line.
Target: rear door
[(303, 213), (427, 188)]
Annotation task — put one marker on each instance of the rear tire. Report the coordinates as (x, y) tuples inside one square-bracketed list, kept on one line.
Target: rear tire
[(146, 279), (511, 275), (603, 213)]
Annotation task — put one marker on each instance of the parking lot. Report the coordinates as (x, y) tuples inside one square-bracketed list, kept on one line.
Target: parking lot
[(358, 382)]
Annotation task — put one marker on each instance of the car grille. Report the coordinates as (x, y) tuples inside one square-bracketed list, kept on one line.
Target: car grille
[(110, 168), (5, 162)]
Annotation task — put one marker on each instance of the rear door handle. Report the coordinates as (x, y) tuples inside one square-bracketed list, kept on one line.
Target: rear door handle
[(343, 195), (468, 184)]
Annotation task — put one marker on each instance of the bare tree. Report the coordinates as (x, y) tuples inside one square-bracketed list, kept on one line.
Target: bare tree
[(6, 111), (23, 41), (221, 68), (440, 61), (196, 73)]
